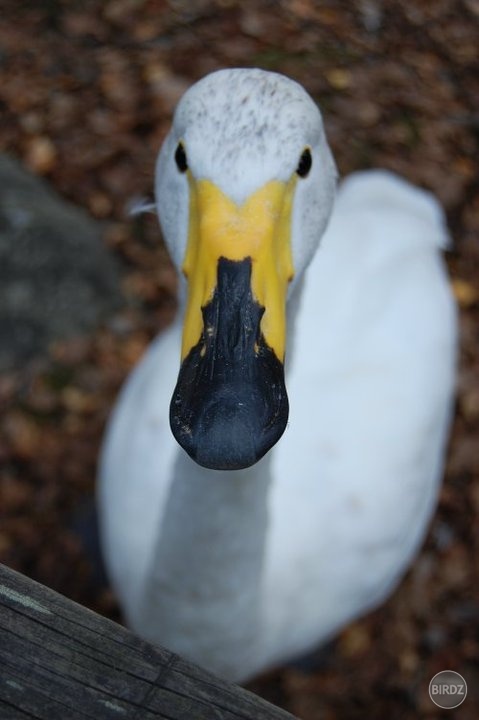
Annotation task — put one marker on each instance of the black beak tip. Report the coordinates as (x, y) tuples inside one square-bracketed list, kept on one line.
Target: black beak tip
[(230, 405), (228, 437)]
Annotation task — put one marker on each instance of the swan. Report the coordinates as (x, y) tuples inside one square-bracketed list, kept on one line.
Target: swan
[(233, 554)]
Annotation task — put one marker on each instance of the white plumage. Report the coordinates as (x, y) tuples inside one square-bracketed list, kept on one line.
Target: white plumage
[(241, 570)]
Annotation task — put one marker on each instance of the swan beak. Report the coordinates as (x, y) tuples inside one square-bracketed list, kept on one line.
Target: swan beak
[(230, 404)]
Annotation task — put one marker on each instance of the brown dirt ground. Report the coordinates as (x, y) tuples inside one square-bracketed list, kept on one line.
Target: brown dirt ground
[(86, 94)]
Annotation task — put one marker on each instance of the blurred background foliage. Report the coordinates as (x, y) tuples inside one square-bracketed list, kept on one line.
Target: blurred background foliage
[(87, 90)]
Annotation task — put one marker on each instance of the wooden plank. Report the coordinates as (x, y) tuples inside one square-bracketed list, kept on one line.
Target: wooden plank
[(59, 660)]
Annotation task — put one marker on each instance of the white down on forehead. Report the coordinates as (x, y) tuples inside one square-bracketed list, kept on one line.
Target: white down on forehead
[(242, 128)]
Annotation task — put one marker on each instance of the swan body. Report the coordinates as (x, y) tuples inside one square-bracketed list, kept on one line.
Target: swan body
[(242, 569)]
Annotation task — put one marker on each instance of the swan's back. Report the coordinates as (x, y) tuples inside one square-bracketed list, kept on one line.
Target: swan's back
[(371, 388)]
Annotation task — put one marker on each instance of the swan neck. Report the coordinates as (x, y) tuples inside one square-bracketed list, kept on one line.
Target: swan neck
[(208, 564)]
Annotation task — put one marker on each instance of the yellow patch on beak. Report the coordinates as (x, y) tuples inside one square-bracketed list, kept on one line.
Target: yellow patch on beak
[(260, 228)]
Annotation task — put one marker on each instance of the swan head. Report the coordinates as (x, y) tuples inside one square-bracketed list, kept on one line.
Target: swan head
[(245, 184)]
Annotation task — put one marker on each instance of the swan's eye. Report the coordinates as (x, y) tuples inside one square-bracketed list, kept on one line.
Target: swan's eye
[(305, 162), (180, 158)]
